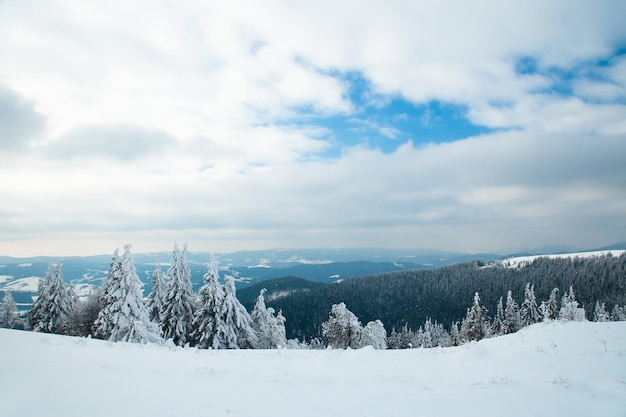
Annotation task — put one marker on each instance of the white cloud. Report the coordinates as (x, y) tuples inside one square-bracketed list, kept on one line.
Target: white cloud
[(200, 121)]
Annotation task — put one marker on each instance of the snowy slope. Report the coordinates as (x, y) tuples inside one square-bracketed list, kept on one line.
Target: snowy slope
[(556, 369), (520, 261)]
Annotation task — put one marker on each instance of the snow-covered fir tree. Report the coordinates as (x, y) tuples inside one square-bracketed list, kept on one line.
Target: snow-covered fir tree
[(343, 329), (475, 326), (511, 315), (178, 300), (374, 334), (8, 311), (124, 316), (55, 304), (600, 314), (208, 318), (237, 331), (456, 339), (550, 309), (529, 312), (498, 320), (269, 327), (569, 307), (155, 298), (404, 339), (618, 313), (423, 338)]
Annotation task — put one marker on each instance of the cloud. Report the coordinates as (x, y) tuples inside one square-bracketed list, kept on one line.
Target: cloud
[(232, 123), (116, 141), (505, 190), (19, 121)]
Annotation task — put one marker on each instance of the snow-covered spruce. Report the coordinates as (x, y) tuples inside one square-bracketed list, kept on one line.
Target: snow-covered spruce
[(569, 307), (235, 330), (208, 318), (475, 326), (269, 327), (178, 301), (8, 311), (529, 311), (55, 304), (511, 315), (155, 298), (124, 316)]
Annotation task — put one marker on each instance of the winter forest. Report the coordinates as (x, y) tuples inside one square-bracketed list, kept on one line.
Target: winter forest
[(214, 318)]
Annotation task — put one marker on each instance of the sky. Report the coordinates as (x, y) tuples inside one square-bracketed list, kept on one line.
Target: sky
[(465, 126)]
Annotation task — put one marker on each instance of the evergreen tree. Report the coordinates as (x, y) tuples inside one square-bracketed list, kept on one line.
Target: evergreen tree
[(511, 315), (455, 335), (600, 313), (124, 316), (55, 304), (270, 329), (375, 335), (569, 307), (237, 330), (343, 329), (550, 309), (618, 313), (497, 327), (403, 339), (8, 311), (529, 312), (208, 318), (178, 301), (475, 326), (155, 298)]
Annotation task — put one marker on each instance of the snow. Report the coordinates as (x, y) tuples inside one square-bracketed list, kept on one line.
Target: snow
[(520, 261), (546, 369), (24, 265), (23, 284), (5, 278)]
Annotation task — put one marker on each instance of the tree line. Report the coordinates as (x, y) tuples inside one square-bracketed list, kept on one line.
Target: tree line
[(444, 294), (214, 318)]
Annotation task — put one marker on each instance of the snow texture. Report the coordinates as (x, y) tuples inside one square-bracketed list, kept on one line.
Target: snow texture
[(554, 368)]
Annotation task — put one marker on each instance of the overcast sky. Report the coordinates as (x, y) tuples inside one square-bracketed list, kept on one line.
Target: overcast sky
[(470, 126)]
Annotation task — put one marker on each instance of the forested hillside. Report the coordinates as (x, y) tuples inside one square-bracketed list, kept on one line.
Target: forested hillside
[(446, 293)]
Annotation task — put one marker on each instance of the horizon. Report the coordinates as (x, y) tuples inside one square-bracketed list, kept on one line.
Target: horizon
[(478, 127), (555, 249)]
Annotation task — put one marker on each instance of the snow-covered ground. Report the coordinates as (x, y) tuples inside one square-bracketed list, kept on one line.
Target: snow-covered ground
[(555, 369), (520, 261)]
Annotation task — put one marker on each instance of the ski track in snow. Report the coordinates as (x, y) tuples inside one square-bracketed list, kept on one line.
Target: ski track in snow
[(559, 369)]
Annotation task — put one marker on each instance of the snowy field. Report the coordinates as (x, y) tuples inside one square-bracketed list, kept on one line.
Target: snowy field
[(520, 261), (554, 369)]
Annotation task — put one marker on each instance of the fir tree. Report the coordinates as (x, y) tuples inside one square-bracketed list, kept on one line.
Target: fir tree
[(237, 330), (124, 316), (511, 315), (155, 298), (569, 307), (8, 311), (178, 301), (529, 312), (208, 318), (474, 326), (618, 313), (269, 328), (550, 309), (343, 329), (497, 327), (53, 310), (600, 314), (403, 339), (455, 335)]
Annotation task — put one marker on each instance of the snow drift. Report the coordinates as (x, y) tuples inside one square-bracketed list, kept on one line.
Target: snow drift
[(574, 369)]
